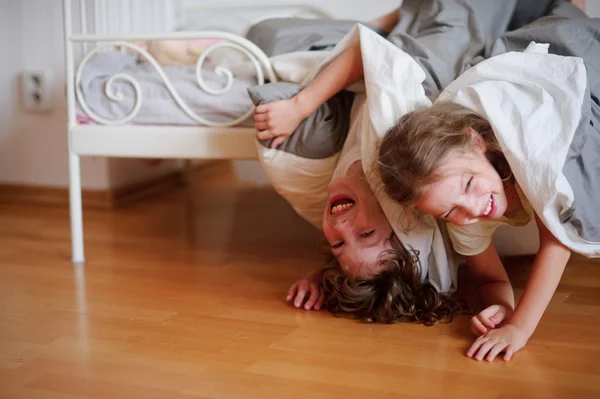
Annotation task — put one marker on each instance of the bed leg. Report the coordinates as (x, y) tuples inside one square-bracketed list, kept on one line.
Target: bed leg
[(75, 209)]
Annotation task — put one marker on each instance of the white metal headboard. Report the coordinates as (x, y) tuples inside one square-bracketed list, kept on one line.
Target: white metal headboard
[(106, 24)]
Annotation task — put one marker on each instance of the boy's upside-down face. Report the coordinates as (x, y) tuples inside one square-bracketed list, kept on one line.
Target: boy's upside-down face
[(354, 224)]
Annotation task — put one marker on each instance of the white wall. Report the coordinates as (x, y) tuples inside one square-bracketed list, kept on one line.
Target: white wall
[(347, 9), (33, 146)]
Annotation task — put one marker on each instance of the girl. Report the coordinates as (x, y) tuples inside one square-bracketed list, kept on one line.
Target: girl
[(477, 173)]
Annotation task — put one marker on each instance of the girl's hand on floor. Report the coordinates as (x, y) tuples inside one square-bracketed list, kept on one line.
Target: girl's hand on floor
[(488, 319), (277, 120), (508, 339), (307, 290)]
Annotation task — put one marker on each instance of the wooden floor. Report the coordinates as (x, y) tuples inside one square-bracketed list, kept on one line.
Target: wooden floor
[(182, 296)]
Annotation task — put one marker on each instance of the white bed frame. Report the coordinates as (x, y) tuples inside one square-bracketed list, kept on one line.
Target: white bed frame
[(112, 138)]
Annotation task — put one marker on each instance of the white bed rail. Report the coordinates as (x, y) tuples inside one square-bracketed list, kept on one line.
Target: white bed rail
[(255, 56)]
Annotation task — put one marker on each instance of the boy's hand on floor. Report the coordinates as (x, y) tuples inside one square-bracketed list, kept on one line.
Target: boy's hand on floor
[(277, 120), (488, 319), (306, 289), (507, 339)]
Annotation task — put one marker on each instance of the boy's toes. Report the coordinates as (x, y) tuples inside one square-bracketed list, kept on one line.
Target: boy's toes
[(264, 135)]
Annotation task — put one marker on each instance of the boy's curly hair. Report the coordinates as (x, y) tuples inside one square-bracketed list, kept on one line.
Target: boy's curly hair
[(394, 294)]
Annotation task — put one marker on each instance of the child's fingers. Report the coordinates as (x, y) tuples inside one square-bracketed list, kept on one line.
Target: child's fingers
[(476, 332), (261, 109), (300, 295), (476, 326), (499, 316), (314, 296), (484, 349), (291, 292), (508, 353), (319, 303), (277, 141), (490, 311), (476, 345), (499, 347), (265, 135), (484, 319), (495, 313)]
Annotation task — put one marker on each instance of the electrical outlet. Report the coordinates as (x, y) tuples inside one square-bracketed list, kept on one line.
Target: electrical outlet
[(36, 90)]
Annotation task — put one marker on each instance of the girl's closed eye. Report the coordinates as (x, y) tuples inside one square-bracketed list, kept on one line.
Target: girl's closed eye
[(368, 234), (337, 245), (467, 187)]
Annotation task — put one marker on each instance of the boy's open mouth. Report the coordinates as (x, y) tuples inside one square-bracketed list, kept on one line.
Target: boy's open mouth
[(340, 205)]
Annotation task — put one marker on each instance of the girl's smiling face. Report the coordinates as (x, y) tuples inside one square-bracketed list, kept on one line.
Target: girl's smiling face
[(467, 189)]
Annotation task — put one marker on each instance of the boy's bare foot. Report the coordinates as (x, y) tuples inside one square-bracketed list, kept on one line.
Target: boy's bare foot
[(277, 120)]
